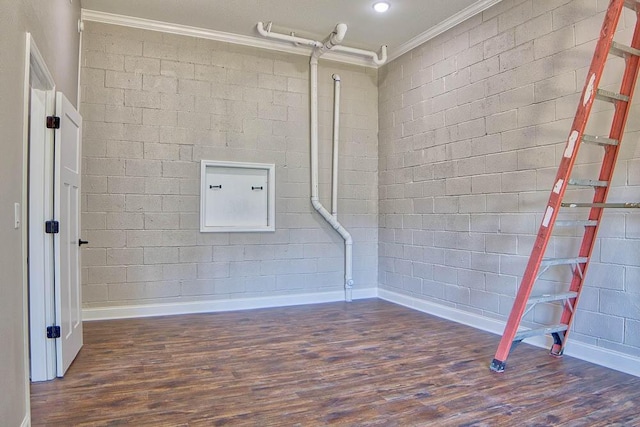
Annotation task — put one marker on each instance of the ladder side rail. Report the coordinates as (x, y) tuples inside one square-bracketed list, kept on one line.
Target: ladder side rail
[(584, 108), (621, 114)]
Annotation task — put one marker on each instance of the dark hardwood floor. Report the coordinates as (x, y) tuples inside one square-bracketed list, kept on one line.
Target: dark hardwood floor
[(364, 363)]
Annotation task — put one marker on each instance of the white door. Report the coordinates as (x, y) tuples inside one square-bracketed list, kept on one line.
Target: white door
[(41, 261), (66, 206)]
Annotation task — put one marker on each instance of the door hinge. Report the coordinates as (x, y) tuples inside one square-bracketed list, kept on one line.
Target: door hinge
[(53, 122), (52, 227), (53, 332)]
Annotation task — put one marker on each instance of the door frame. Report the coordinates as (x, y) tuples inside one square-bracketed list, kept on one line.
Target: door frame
[(38, 201)]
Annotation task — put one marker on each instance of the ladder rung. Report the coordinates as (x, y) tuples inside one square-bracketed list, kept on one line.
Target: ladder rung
[(541, 331), (587, 183), (600, 140), (548, 262), (622, 50), (549, 298), (631, 4), (574, 223), (602, 205), (605, 95)]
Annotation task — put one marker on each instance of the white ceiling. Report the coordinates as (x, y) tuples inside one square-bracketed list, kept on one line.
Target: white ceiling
[(405, 21)]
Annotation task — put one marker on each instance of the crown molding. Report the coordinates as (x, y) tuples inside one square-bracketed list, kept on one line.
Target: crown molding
[(204, 33), (447, 24), (278, 46)]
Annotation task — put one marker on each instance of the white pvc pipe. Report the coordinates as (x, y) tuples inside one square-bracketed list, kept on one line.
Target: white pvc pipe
[(337, 36), (332, 42), (336, 139), (377, 59), (313, 107), (315, 200), (319, 48), (285, 37)]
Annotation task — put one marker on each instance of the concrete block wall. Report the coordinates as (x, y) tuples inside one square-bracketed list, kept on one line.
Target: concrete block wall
[(473, 124), (154, 105)]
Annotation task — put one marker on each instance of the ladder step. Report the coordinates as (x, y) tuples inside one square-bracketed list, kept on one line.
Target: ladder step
[(549, 298), (622, 50), (605, 95), (587, 183), (541, 331), (602, 205), (599, 140), (575, 223), (548, 262), (631, 4)]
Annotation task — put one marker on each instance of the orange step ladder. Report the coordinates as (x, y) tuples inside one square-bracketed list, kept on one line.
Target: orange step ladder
[(537, 264)]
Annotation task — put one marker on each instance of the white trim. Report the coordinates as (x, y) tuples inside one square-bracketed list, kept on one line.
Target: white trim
[(590, 353), (205, 33), (447, 24), (211, 166), (79, 90), (24, 234), (26, 421), (261, 43), (38, 193), (214, 306), (443, 311), (37, 65), (41, 258)]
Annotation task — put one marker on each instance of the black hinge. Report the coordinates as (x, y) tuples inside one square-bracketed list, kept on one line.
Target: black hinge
[(53, 122), (53, 332), (52, 227)]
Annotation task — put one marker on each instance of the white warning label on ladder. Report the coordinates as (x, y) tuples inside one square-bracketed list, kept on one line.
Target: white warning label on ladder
[(571, 144), (558, 186), (547, 216), (589, 91)]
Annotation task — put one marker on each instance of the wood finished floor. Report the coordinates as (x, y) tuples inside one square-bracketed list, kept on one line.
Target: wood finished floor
[(364, 363)]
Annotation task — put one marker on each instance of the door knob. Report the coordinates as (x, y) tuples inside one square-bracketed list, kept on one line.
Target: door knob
[(82, 242)]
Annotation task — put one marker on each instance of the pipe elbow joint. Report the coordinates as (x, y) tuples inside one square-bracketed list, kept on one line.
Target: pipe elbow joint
[(382, 58), (261, 29), (338, 35)]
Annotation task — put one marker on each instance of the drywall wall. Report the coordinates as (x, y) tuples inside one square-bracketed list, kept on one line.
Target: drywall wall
[(156, 104), (54, 28), (472, 127)]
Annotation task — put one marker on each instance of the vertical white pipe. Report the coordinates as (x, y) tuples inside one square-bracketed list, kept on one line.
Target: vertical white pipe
[(348, 266), (336, 132), (319, 48), (315, 201), (313, 83)]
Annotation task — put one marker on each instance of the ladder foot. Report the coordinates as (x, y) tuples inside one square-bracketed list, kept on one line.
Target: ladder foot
[(497, 365), (556, 351)]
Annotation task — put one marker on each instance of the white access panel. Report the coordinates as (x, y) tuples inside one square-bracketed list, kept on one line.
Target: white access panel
[(237, 197)]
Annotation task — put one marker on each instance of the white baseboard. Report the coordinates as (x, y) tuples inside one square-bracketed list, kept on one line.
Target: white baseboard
[(26, 422), (211, 306), (590, 353)]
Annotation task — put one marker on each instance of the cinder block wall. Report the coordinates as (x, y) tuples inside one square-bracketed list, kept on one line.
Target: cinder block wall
[(154, 105), (472, 127)]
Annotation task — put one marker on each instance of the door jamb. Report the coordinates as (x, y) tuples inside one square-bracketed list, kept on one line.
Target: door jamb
[(37, 199)]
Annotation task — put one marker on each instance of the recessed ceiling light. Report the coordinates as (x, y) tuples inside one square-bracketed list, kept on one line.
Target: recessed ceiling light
[(381, 6)]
